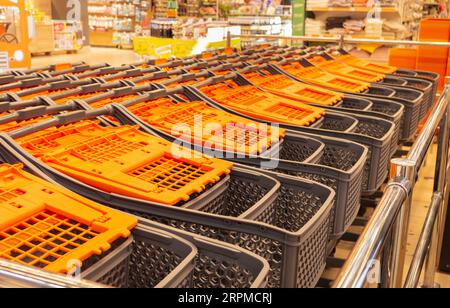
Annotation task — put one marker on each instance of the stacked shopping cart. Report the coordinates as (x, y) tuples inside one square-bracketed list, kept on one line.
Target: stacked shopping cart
[(233, 169)]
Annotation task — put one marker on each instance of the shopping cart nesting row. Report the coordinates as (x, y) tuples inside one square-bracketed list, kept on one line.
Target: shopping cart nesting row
[(288, 167), (48, 227), (331, 62), (266, 199), (150, 108), (372, 132)]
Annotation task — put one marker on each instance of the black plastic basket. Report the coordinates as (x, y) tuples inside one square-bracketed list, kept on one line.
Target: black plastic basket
[(384, 109), (164, 257), (428, 76)]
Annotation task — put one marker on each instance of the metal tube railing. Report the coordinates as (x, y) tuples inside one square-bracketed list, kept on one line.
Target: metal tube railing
[(412, 280), (369, 246), (13, 275), (404, 171)]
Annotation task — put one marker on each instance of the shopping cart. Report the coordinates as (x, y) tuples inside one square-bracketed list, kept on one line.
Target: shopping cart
[(339, 165), (125, 161), (375, 133), (281, 218), (269, 79), (75, 228)]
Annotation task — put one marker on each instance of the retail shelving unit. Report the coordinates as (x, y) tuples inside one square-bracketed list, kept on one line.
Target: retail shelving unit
[(402, 15), (113, 22)]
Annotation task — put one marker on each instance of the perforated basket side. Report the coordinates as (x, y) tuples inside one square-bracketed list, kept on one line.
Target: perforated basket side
[(306, 211), (152, 259), (301, 149)]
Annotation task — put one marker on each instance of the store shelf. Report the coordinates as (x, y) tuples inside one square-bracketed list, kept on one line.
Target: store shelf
[(354, 9), (111, 15)]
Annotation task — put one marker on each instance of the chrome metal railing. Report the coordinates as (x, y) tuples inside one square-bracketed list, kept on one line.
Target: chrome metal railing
[(388, 227), (13, 275)]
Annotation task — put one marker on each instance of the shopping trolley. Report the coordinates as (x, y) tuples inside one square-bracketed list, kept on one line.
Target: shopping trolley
[(375, 133), (256, 211), (73, 228)]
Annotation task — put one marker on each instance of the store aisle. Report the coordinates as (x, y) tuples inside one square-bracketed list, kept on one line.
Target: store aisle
[(90, 55)]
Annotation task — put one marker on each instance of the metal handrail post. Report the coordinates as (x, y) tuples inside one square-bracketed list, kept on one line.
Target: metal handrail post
[(412, 280), (406, 169)]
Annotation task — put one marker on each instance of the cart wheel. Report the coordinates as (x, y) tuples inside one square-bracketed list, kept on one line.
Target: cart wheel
[(9, 38)]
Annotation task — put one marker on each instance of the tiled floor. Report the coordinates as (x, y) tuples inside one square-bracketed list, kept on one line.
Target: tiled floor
[(423, 192)]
